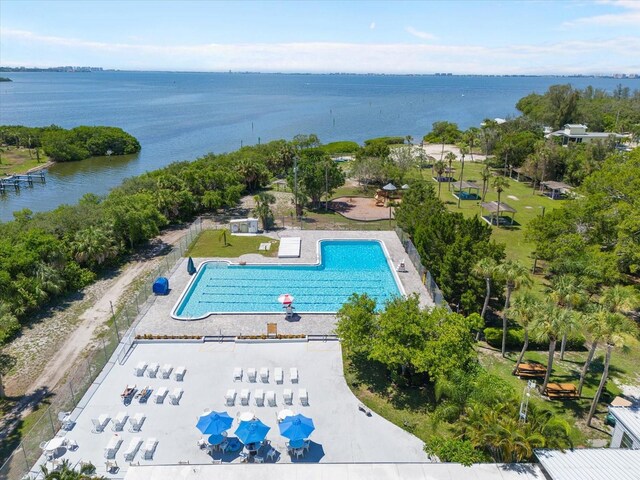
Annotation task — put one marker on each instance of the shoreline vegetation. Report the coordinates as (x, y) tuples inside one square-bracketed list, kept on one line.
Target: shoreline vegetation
[(61, 145), (5, 79), (587, 246)]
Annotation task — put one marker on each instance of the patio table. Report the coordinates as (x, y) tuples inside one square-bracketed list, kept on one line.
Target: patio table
[(282, 414), (246, 416), (54, 444), (217, 439)]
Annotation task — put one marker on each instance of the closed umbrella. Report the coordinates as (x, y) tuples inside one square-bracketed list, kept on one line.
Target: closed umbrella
[(214, 423), (191, 268), (297, 427), (252, 431)]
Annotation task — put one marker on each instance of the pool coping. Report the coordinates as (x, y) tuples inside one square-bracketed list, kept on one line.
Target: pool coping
[(318, 261)]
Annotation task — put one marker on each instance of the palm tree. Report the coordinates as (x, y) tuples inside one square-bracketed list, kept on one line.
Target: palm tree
[(223, 236), (500, 184), (439, 167), (450, 157), (262, 209), (485, 174), (615, 328), (93, 246), (485, 268), (463, 151), (594, 323), (524, 309), (620, 299), (67, 472), (470, 137), (568, 292), (514, 275), (548, 326)]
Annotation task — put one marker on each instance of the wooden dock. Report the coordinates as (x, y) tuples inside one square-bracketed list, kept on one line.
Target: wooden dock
[(18, 181)]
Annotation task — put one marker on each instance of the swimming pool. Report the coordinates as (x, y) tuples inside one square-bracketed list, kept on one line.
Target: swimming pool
[(345, 267)]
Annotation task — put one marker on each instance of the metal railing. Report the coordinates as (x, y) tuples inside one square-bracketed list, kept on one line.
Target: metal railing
[(113, 345)]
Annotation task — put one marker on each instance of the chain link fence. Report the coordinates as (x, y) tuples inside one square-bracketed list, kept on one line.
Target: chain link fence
[(75, 389)]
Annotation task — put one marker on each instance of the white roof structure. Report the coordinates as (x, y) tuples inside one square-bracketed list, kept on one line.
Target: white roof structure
[(289, 247), (630, 418), (354, 471), (591, 464)]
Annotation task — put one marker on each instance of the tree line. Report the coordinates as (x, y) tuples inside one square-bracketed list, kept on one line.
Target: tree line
[(63, 145)]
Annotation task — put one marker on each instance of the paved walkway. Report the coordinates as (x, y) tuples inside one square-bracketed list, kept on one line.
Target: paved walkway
[(158, 318)]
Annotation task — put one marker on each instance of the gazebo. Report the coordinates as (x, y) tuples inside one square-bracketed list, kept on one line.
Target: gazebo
[(520, 172), (493, 208), (464, 190), (556, 190)]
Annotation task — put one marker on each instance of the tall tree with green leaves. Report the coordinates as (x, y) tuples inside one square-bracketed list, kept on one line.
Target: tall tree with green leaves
[(514, 275), (549, 326), (567, 291), (485, 175), (450, 157), (595, 323), (262, 210), (357, 323), (486, 268), (500, 184), (524, 309), (464, 150), (439, 167)]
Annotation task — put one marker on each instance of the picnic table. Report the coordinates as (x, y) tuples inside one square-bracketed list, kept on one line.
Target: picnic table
[(561, 391), (531, 370)]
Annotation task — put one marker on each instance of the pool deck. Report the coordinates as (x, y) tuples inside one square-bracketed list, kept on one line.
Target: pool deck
[(158, 321)]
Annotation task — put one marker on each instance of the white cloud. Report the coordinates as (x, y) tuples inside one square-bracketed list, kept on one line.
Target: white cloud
[(419, 34), (372, 26), (629, 17), (605, 56)]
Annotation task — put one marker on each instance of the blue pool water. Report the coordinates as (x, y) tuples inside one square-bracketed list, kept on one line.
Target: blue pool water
[(346, 267)]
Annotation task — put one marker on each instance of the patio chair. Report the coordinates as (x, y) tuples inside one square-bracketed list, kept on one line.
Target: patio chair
[(112, 447), (175, 396), (271, 398), (271, 454), (230, 397), (278, 376), (303, 396), (259, 397), (149, 449), (136, 422), (152, 370), (264, 375), (179, 372), (160, 395), (166, 370), (293, 373), (132, 449), (100, 423), (307, 445), (244, 396), (139, 369), (128, 393), (120, 421), (237, 374), (287, 394), (258, 459), (251, 374), (111, 466), (143, 395), (65, 419), (72, 445)]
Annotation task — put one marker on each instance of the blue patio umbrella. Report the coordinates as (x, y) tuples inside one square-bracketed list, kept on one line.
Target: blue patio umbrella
[(191, 268), (296, 427), (251, 431), (214, 423)]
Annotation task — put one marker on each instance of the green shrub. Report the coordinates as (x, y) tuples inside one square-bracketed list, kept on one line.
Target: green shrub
[(385, 140), (337, 148), (454, 450), (515, 340)]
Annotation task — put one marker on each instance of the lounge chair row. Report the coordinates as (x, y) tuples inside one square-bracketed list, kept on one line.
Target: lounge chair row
[(158, 397), (135, 444), (119, 422), (153, 370), (259, 397), (252, 375)]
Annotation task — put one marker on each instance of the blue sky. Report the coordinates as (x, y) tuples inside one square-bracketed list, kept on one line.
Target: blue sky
[(486, 37)]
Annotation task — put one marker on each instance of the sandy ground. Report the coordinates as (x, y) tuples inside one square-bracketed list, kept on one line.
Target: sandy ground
[(360, 208), (435, 150)]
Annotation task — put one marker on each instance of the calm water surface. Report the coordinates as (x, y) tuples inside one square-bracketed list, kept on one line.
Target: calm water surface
[(180, 116)]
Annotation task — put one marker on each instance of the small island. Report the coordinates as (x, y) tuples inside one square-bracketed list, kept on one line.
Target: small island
[(24, 149), (5, 79)]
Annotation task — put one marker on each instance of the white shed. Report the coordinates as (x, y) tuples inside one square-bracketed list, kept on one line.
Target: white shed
[(626, 433), (244, 225)]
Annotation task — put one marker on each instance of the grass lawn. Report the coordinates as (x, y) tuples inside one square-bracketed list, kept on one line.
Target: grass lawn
[(210, 244), (19, 161)]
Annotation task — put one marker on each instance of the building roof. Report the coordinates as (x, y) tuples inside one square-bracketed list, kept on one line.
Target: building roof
[(629, 417), (590, 464), (574, 125), (557, 185), (563, 133), (493, 207), (354, 471), (465, 184)]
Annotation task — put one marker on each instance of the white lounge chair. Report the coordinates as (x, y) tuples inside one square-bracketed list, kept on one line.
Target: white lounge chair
[(152, 370), (258, 395), (136, 422), (230, 397), (72, 445), (278, 376), (293, 373), (271, 398), (160, 394), (237, 374), (100, 423), (120, 421), (175, 396), (244, 396), (65, 419), (112, 447), (179, 372), (132, 449), (287, 394), (251, 374), (139, 369), (165, 371), (149, 448), (264, 375), (303, 396)]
